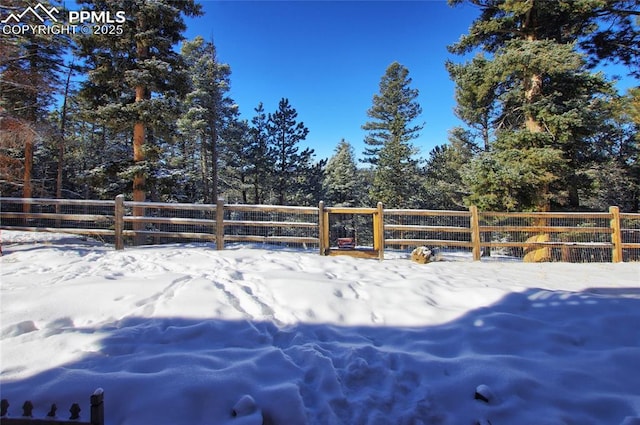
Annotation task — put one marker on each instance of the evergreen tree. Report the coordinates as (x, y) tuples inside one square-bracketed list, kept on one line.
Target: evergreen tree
[(389, 146), (444, 186), (341, 183), (396, 181), (104, 175), (208, 109), (545, 105), (135, 79), (234, 160), (285, 134), (392, 112), (475, 96), (310, 189), (30, 67), (260, 157), (365, 182), (604, 30), (615, 171)]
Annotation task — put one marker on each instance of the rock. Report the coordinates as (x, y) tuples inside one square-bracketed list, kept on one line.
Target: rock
[(422, 255)]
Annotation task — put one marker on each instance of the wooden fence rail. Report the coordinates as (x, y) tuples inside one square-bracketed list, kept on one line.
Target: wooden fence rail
[(602, 236)]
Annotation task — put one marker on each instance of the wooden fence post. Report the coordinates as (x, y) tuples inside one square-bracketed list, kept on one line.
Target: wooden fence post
[(321, 225), (475, 233), (325, 232), (119, 222), (378, 231), (616, 234), (97, 407), (220, 224)]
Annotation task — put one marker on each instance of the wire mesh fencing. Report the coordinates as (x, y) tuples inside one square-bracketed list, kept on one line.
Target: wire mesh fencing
[(284, 226), (91, 217), (447, 231), (159, 223), (630, 236), (568, 237)]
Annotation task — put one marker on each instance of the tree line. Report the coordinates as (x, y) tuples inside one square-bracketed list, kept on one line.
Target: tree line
[(543, 129)]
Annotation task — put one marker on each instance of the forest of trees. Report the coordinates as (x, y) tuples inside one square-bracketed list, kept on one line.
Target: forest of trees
[(153, 118)]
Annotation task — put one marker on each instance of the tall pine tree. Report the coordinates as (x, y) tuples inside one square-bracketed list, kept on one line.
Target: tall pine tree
[(545, 104), (285, 135), (208, 108), (134, 79), (260, 157), (388, 141)]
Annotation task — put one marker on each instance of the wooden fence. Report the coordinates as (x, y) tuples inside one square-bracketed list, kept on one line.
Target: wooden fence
[(556, 236), (26, 417), (585, 237)]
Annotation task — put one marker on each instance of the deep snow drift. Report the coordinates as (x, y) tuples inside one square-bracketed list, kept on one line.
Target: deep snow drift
[(184, 334)]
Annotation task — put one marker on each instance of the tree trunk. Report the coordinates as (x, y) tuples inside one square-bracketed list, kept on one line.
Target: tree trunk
[(533, 90), (205, 172), (139, 133), (283, 170), (256, 198), (214, 160), (138, 178), (63, 130), (486, 126), (28, 167), (138, 156), (245, 188), (32, 118)]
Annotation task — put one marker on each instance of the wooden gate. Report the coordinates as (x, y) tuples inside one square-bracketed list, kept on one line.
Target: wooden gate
[(331, 244)]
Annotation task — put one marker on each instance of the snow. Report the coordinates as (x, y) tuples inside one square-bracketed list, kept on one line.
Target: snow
[(185, 334)]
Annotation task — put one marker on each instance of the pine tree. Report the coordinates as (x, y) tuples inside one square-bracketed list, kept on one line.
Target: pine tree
[(285, 134), (134, 79), (208, 108), (234, 160), (443, 179), (392, 112), (475, 96), (615, 170), (310, 189), (30, 67), (604, 30), (341, 183), (389, 147), (544, 103), (260, 156)]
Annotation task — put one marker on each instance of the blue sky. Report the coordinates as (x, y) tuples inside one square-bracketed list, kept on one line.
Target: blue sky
[(327, 58)]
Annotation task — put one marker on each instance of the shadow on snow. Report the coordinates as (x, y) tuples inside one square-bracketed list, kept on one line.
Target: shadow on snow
[(547, 356)]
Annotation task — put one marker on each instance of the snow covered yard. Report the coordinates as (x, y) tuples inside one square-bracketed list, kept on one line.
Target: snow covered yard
[(184, 334)]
